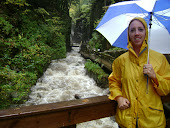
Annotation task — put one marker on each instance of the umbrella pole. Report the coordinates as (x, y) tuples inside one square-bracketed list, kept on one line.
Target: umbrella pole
[(150, 24), (147, 84)]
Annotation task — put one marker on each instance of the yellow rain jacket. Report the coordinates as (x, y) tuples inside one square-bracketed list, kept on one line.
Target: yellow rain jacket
[(127, 80)]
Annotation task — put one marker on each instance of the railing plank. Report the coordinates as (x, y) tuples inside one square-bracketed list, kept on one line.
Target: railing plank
[(166, 99), (58, 114)]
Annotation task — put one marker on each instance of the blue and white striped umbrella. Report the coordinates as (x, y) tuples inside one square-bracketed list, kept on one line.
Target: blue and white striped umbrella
[(113, 25)]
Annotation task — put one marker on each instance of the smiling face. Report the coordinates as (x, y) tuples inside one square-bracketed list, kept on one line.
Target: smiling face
[(136, 33)]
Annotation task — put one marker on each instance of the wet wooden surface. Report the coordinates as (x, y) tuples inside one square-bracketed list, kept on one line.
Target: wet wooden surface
[(166, 99), (59, 114), (106, 64)]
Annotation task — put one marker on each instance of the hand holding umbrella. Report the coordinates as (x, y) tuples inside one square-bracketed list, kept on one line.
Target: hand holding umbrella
[(149, 71)]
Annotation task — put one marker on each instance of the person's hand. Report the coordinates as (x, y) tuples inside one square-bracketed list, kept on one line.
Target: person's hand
[(148, 70), (123, 103)]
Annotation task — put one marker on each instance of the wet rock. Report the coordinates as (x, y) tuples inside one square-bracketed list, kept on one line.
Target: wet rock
[(77, 96)]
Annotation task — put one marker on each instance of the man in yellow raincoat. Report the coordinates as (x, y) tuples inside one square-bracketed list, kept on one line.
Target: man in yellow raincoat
[(127, 82)]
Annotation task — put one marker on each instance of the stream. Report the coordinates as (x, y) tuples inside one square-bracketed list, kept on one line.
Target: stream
[(65, 78)]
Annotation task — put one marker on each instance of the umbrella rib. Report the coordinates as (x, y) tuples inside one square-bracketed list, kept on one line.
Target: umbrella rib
[(141, 11), (164, 11), (156, 21), (161, 16)]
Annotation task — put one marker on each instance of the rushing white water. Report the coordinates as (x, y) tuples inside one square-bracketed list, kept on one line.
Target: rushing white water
[(62, 80)]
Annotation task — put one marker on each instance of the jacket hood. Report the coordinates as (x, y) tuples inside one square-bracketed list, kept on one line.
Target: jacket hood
[(144, 44)]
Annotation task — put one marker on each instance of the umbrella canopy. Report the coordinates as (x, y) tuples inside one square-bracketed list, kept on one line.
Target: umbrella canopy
[(113, 25)]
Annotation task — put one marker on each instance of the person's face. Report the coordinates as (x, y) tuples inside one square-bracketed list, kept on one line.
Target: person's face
[(136, 33)]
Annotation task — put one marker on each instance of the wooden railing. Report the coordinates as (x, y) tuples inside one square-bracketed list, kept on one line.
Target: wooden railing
[(62, 114), (55, 115)]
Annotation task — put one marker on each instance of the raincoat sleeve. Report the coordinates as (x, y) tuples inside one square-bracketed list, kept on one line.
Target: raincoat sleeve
[(115, 80), (163, 77)]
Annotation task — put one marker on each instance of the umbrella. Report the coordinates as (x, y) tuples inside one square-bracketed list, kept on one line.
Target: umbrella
[(113, 25)]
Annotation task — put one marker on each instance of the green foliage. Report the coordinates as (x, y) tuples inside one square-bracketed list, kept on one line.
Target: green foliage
[(42, 11), (97, 42), (115, 49), (14, 86), (29, 40), (17, 2), (95, 68), (81, 10), (113, 1), (5, 27)]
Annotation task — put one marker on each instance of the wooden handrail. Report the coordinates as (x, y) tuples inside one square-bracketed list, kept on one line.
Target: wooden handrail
[(55, 115)]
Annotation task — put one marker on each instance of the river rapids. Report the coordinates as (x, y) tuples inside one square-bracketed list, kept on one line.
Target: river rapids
[(65, 78)]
